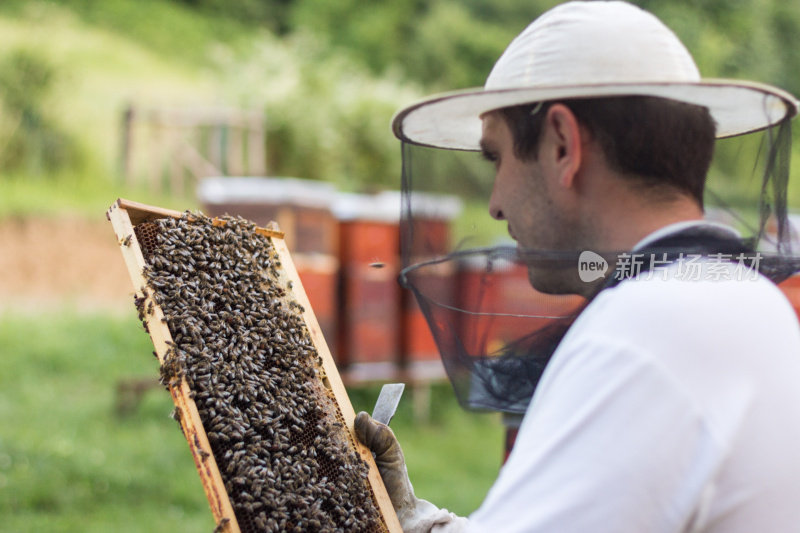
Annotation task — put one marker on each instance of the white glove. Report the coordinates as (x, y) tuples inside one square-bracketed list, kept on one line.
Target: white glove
[(415, 515)]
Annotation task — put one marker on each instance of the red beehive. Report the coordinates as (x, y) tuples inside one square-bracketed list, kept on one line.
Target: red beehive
[(302, 208), (430, 227), (369, 293), (319, 274), (509, 307)]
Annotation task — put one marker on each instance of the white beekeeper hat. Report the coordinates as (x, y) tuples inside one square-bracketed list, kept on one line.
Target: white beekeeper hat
[(589, 50)]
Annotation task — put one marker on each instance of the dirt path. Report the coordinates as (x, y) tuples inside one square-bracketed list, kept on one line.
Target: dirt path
[(45, 263)]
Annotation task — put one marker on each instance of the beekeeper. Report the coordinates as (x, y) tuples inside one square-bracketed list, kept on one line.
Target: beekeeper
[(672, 403)]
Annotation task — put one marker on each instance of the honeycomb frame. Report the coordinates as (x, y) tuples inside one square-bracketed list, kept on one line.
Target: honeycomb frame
[(129, 219)]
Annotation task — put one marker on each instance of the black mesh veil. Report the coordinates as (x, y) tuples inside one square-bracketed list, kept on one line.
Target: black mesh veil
[(494, 331)]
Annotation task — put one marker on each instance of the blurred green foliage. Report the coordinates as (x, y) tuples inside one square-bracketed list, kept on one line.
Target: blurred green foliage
[(442, 44), (330, 73), (452, 44), (30, 140), (449, 44), (177, 29)]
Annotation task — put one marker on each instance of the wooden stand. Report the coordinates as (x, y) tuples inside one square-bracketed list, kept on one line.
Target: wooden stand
[(124, 216)]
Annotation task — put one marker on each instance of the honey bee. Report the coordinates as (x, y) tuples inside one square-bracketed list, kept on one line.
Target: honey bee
[(377, 263), (222, 524)]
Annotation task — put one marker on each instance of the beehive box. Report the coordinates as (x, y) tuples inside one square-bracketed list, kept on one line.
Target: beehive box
[(256, 391)]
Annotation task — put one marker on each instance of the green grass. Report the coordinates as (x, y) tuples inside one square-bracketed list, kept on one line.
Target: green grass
[(71, 194), (69, 463)]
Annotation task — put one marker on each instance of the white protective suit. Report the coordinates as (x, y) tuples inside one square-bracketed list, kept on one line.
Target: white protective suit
[(671, 405)]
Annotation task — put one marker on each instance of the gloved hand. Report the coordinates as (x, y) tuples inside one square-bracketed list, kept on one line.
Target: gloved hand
[(389, 458), (415, 515)]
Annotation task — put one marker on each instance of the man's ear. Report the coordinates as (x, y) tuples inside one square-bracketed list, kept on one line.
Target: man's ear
[(562, 146)]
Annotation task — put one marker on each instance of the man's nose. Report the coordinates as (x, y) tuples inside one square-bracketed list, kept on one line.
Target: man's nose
[(494, 204)]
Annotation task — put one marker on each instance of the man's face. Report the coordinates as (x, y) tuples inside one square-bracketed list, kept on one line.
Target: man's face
[(522, 196)]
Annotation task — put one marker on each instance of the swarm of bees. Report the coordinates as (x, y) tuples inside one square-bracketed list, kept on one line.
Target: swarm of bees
[(242, 345)]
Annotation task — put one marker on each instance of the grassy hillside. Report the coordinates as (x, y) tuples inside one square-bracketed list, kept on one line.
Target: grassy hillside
[(328, 85), (96, 73), (327, 117)]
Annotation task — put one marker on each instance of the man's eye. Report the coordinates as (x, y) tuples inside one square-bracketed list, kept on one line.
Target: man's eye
[(489, 156)]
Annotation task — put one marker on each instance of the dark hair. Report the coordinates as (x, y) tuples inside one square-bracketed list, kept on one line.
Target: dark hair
[(661, 142)]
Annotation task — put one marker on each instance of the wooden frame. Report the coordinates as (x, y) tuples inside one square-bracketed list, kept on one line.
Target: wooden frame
[(124, 215), (201, 141)]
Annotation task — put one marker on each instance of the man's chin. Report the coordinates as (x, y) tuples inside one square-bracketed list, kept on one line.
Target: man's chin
[(549, 281)]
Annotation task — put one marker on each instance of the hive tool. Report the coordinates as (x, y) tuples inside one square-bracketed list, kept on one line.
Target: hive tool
[(386, 404)]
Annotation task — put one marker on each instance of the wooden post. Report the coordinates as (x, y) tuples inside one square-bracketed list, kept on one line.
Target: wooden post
[(256, 149), (215, 146), (174, 142), (421, 402), (156, 158), (231, 142), (126, 150), (235, 155)]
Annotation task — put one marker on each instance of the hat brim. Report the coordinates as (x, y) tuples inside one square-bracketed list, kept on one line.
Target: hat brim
[(452, 120)]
